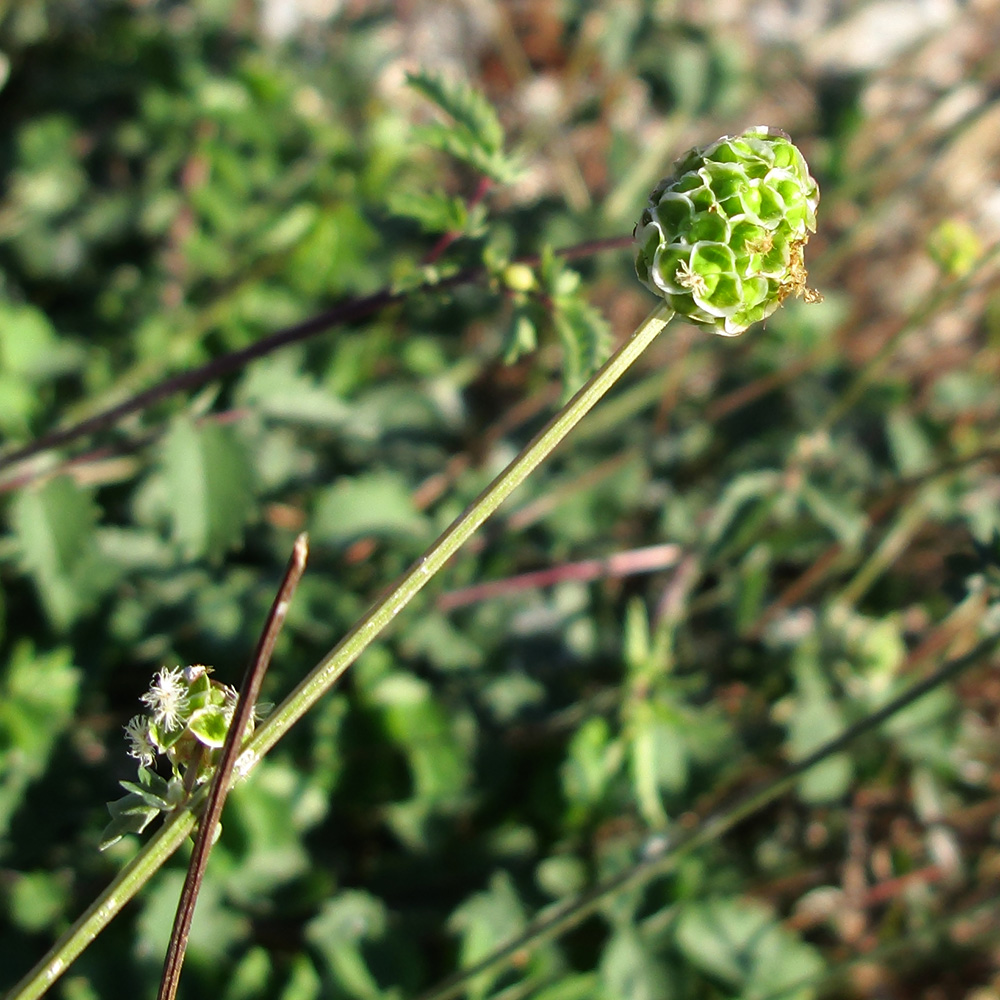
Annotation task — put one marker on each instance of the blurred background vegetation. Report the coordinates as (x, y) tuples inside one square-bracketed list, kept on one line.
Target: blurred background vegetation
[(182, 179)]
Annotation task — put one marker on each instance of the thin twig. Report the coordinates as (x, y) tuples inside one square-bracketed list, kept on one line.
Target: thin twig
[(348, 311), (242, 715)]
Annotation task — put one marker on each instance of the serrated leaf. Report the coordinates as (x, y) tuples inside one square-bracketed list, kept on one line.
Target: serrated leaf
[(469, 108), (475, 137), (435, 211), (54, 524), (585, 337), (209, 478), (375, 504)]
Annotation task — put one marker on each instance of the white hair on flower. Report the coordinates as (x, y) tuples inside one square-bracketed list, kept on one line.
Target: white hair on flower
[(140, 743), (167, 698)]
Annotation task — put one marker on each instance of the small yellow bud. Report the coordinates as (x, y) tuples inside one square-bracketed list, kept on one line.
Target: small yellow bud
[(519, 278)]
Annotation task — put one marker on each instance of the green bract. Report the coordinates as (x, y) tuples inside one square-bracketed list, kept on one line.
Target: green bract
[(188, 715), (721, 238)]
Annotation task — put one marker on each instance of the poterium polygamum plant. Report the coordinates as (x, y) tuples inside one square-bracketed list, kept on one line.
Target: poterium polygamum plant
[(186, 721), (722, 238), (721, 241)]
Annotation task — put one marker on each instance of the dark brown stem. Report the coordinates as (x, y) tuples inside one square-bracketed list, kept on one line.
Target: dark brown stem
[(345, 312), (242, 715)]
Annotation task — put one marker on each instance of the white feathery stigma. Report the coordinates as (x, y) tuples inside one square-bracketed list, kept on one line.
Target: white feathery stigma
[(167, 698), (140, 743)]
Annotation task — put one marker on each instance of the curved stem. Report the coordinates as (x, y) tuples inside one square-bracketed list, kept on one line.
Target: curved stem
[(325, 674)]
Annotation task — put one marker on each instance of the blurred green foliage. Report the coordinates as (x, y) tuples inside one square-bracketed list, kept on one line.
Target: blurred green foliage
[(175, 185)]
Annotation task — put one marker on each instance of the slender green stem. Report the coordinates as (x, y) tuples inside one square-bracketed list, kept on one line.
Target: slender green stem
[(332, 666)]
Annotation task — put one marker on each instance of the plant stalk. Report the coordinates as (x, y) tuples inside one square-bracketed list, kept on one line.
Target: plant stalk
[(326, 673)]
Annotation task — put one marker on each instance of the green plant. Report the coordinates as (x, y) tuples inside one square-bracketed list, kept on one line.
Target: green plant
[(189, 712), (498, 797)]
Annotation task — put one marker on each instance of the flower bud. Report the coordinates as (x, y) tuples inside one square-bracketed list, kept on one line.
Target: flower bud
[(721, 239)]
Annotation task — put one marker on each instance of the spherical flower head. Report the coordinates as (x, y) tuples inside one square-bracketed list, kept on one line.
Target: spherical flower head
[(721, 239), (140, 742), (167, 698)]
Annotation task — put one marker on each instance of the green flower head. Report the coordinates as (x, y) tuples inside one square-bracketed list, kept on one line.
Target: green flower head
[(722, 238)]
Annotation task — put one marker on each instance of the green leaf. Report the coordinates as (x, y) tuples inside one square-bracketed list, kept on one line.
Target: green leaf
[(54, 524), (250, 977), (378, 503), (152, 789), (585, 337), (816, 718), (338, 931), (484, 922), (209, 476), (562, 875), (444, 646), (438, 761), (658, 755), (521, 337), (838, 513), (579, 986), (594, 758), (262, 844), (333, 256), (475, 137), (435, 211), (38, 697), (740, 507), (209, 725), (304, 982), (216, 931), (129, 814), (629, 971), (473, 114), (908, 441), (37, 900), (29, 346), (738, 942)]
